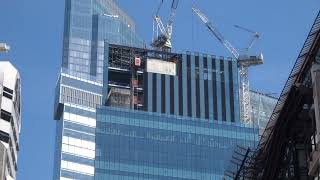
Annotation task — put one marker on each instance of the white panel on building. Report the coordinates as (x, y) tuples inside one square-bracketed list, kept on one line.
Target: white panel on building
[(78, 151), (80, 119), (161, 67), (78, 142), (82, 168)]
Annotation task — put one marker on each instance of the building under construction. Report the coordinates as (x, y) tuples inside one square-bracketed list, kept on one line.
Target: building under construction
[(194, 85), (289, 146), (134, 113), (167, 115)]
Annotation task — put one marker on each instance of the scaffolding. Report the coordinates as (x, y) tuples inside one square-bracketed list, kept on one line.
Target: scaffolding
[(262, 106), (127, 66), (240, 164), (119, 97)]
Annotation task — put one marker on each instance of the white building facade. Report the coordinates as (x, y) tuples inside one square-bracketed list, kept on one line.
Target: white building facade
[(10, 120)]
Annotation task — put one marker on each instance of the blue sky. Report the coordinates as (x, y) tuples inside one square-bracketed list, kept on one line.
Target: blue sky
[(34, 31)]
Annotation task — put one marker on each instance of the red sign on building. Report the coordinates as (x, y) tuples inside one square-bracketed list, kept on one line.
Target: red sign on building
[(137, 61)]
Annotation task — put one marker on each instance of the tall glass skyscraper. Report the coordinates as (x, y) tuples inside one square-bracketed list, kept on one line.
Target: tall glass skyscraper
[(125, 112), (88, 24)]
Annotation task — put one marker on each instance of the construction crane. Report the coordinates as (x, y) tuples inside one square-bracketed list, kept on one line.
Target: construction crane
[(255, 37), (244, 61), (163, 41), (4, 47)]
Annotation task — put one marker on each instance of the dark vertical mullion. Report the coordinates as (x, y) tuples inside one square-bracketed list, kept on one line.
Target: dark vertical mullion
[(206, 95), (66, 34), (223, 90), (180, 89), (146, 92), (189, 99), (231, 91), (154, 92), (163, 93), (94, 45), (214, 89), (172, 95)]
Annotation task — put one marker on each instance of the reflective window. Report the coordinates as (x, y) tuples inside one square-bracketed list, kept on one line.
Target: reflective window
[(142, 145)]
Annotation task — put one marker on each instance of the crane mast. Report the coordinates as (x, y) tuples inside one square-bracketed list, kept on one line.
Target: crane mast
[(174, 7), (244, 61), (163, 41)]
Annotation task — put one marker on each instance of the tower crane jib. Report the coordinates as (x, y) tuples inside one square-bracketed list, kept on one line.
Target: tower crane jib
[(216, 33), (244, 61)]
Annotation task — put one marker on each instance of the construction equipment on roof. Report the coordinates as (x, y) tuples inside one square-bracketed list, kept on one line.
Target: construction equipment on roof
[(244, 61), (163, 41), (4, 47), (255, 37), (119, 97)]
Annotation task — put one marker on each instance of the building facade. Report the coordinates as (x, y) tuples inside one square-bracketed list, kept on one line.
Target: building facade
[(87, 24), (105, 64), (10, 120), (167, 116), (134, 144), (262, 108), (199, 85)]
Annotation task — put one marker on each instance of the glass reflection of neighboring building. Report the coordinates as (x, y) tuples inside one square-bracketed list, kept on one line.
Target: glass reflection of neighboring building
[(262, 108)]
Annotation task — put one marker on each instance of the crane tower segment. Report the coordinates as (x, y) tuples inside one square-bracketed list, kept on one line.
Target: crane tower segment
[(163, 41)]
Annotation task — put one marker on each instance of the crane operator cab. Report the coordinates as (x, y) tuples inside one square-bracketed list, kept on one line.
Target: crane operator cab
[(246, 60)]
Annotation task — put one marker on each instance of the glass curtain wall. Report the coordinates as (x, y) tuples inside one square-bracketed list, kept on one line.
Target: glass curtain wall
[(143, 145)]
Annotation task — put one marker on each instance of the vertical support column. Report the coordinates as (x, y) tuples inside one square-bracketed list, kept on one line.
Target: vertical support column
[(223, 89), (176, 94), (315, 73), (193, 85), (149, 94), (184, 86), (202, 94), (210, 87), (218, 80), (167, 94), (159, 90)]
